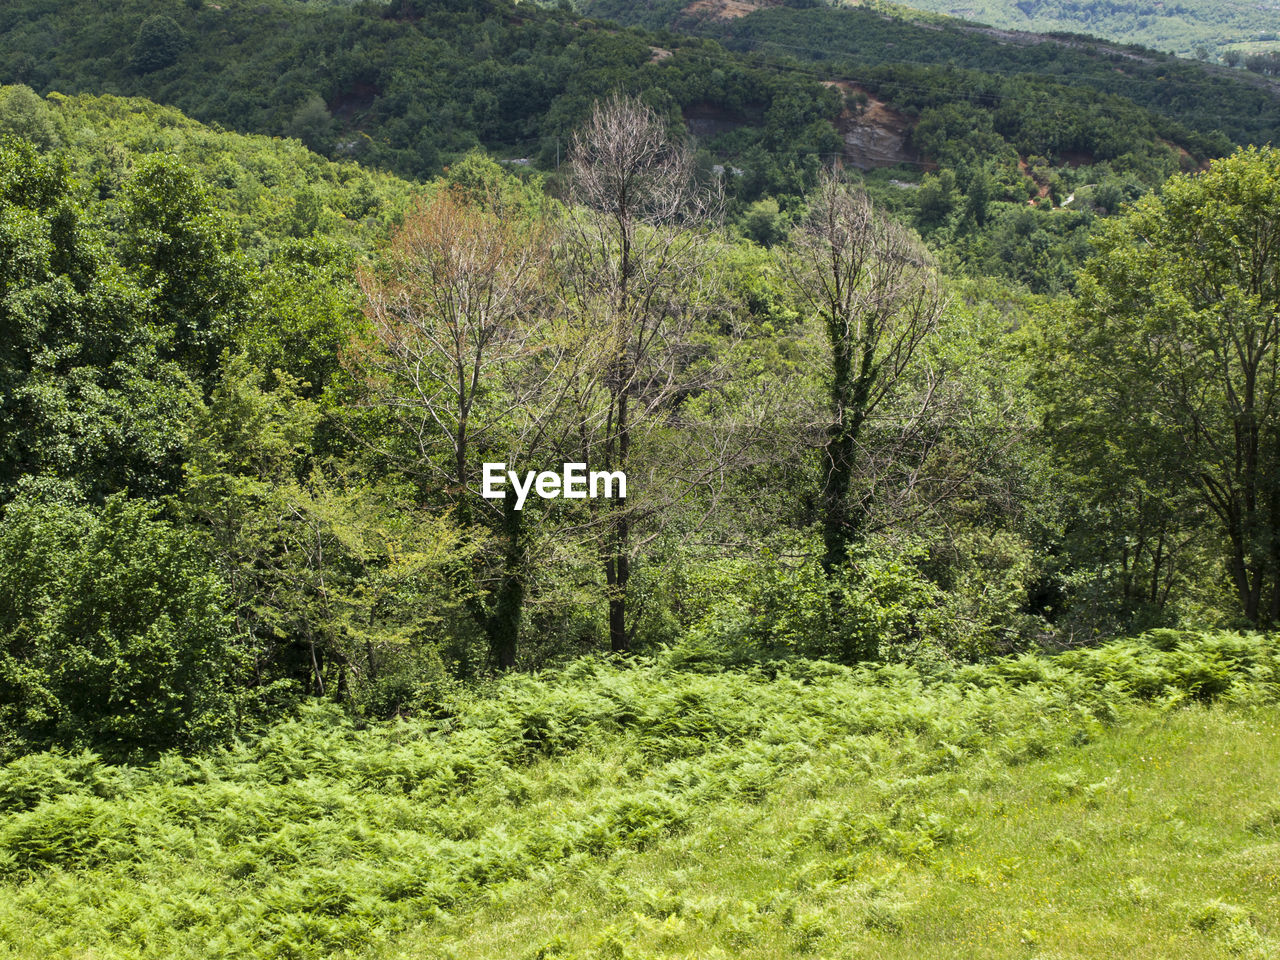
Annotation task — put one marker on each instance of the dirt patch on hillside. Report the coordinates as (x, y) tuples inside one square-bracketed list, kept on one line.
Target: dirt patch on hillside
[(875, 135), (1186, 162), (706, 120), (727, 9), (1076, 158), (1042, 186)]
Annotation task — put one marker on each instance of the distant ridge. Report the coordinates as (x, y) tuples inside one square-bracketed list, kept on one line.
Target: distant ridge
[(1179, 27)]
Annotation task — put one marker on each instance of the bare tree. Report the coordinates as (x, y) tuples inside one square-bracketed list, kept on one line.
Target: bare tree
[(870, 283), (461, 357), (635, 251)]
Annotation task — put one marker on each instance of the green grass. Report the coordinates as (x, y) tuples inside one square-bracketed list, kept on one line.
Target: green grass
[(1115, 801), (1158, 841)]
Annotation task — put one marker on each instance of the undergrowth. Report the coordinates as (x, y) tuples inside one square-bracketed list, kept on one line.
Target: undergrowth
[(317, 837)]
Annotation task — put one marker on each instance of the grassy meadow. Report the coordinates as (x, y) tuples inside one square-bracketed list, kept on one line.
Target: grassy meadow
[(1119, 800)]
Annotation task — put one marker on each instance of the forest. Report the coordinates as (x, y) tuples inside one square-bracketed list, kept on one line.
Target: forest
[(1186, 27), (235, 377), (938, 611)]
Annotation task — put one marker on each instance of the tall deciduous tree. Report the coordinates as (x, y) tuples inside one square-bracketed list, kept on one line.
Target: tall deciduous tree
[(636, 250), (1183, 304), (870, 283), (186, 256), (459, 360)]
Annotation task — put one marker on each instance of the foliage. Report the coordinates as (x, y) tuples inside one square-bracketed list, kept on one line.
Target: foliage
[(412, 94), (332, 578), (88, 392), (399, 86), (24, 115), (878, 606), (223, 504), (160, 42), (1049, 91), (1184, 349), (1067, 854), (407, 91), (1019, 131), (316, 836), (115, 631), (258, 183), (144, 356), (184, 326)]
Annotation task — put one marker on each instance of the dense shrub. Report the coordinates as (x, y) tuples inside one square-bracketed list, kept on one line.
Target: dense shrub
[(112, 629), (878, 607)]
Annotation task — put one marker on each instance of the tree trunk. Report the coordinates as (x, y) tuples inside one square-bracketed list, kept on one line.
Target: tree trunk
[(619, 641), (1273, 553), (503, 625), (618, 563), (1248, 583), (837, 455), (617, 573), (841, 522)]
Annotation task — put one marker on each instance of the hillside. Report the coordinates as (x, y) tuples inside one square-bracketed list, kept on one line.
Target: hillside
[(405, 87), (774, 93), (946, 61), (1183, 27), (612, 480), (272, 189), (1201, 28), (1081, 806), (929, 604)]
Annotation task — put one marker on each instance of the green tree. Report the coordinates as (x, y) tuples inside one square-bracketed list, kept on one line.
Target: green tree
[(312, 124), (763, 222), (115, 629), (333, 581), (978, 196), (1181, 304), (24, 114), (935, 200), (183, 252), (1128, 520), (159, 44), (84, 392)]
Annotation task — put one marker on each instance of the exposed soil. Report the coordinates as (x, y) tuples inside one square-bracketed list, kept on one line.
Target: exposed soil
[(876, 136), (1076, 158), (706, 120), (1042, 187), (727, 9), (1186, 162)]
